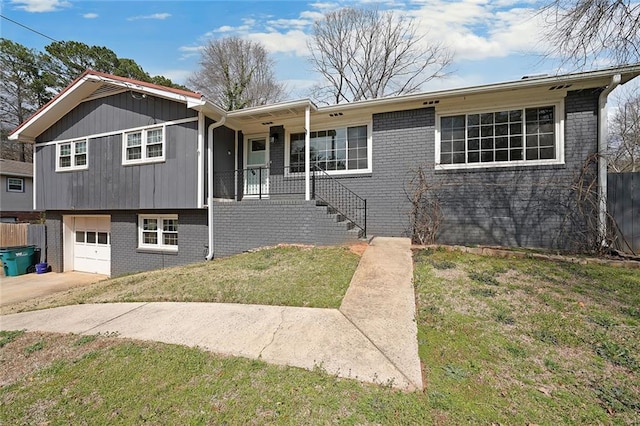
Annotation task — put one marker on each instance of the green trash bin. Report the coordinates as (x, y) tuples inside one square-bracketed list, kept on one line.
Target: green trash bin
[(17, 260)]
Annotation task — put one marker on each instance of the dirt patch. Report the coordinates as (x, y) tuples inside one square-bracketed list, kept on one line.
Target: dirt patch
[(358, 248), (33, 351)]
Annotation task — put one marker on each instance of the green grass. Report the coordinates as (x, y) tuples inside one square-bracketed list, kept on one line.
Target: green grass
[(502, 341), (517, 341), (287, 276), (9, 336), (116, 382)]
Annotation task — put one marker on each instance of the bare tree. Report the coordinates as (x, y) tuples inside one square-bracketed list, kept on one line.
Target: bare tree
[(624, 131), (367, 54), (236, 74), (583, 32)]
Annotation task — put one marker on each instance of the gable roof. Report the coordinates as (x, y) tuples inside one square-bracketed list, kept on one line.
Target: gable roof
[(93, 84), (15, 168)]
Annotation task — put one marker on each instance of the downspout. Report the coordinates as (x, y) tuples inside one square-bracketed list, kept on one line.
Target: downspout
[(602, 157), (212, 127)]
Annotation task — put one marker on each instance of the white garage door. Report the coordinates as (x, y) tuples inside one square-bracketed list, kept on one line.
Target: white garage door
[(92, 245)]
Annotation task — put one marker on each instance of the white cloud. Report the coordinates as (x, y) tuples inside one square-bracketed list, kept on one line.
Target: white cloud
[(40, 5), (159, 16), (224, 29), (190, 51), (294, 41), (247, 25), (476, 29), (90, 15), (300, 24)]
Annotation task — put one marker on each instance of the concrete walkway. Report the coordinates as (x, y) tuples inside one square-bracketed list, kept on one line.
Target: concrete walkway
[(372, 337)]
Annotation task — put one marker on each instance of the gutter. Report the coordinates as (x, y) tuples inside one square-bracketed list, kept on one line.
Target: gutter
[(603, 137), (212, 127)]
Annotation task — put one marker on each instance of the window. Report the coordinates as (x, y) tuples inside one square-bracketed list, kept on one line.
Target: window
[(15, 184), (343, 149), (143, 146), (518, 136), (93, 237), (158, 232), (72, 155)]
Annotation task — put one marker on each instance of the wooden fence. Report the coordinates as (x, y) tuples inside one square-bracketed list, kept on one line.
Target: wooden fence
[(13, 234), (623, 193)]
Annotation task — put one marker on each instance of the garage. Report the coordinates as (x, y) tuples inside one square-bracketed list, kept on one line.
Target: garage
[(91, 242)]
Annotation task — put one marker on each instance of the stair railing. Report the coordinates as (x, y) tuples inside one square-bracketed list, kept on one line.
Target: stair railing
[(327, 189)]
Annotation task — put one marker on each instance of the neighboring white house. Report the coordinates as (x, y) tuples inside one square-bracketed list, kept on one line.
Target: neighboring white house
[(16, 191)]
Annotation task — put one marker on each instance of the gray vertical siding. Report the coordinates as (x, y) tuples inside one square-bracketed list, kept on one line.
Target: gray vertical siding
[(107, 184), (117, 112), (276, 150), (224, 151)]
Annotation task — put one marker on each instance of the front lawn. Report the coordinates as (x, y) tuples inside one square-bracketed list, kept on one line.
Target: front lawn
[(517, 341), (502, 341), (288, 276)]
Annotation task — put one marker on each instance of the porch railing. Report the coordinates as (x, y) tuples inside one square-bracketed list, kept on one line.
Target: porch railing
[(273, 182), (257, 182)]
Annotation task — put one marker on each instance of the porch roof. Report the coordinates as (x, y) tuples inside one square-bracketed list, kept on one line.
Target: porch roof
[(287, 113)]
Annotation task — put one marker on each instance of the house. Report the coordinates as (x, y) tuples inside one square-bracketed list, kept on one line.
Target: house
[(134, 176), (16, 186)]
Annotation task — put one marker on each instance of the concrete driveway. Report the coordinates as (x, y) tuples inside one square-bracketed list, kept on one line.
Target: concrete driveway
[(29, 286)]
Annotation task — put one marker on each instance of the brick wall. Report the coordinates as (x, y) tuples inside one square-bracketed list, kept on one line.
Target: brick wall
[(54, 250), (238, 227), (250, 224), (127, 258), (530, 206)]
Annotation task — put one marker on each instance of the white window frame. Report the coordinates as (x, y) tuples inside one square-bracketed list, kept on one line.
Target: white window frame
[(73, 154), (160, 246), (558, 129), (17, 180), (144, 159), (287, 149)]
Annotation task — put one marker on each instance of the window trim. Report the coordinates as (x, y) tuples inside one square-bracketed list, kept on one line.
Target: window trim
[(143, 145), (558, 129), (73, 165), (160, 246), (21, 180), (368, 170)]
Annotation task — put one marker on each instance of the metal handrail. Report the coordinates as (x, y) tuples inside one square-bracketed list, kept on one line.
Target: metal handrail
[(335, 194)]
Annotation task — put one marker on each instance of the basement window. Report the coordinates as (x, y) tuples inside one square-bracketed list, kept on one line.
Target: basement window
[(158, 232)]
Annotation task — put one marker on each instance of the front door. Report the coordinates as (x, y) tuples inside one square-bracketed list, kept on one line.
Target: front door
[(256, 175)]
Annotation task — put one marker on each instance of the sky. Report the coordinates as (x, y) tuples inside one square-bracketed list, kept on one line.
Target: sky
[(492, 41)]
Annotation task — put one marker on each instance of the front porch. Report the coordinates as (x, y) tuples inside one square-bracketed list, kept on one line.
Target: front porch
[(285, 183)]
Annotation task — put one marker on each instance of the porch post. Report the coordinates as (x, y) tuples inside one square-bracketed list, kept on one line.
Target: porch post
[(307, 154)]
